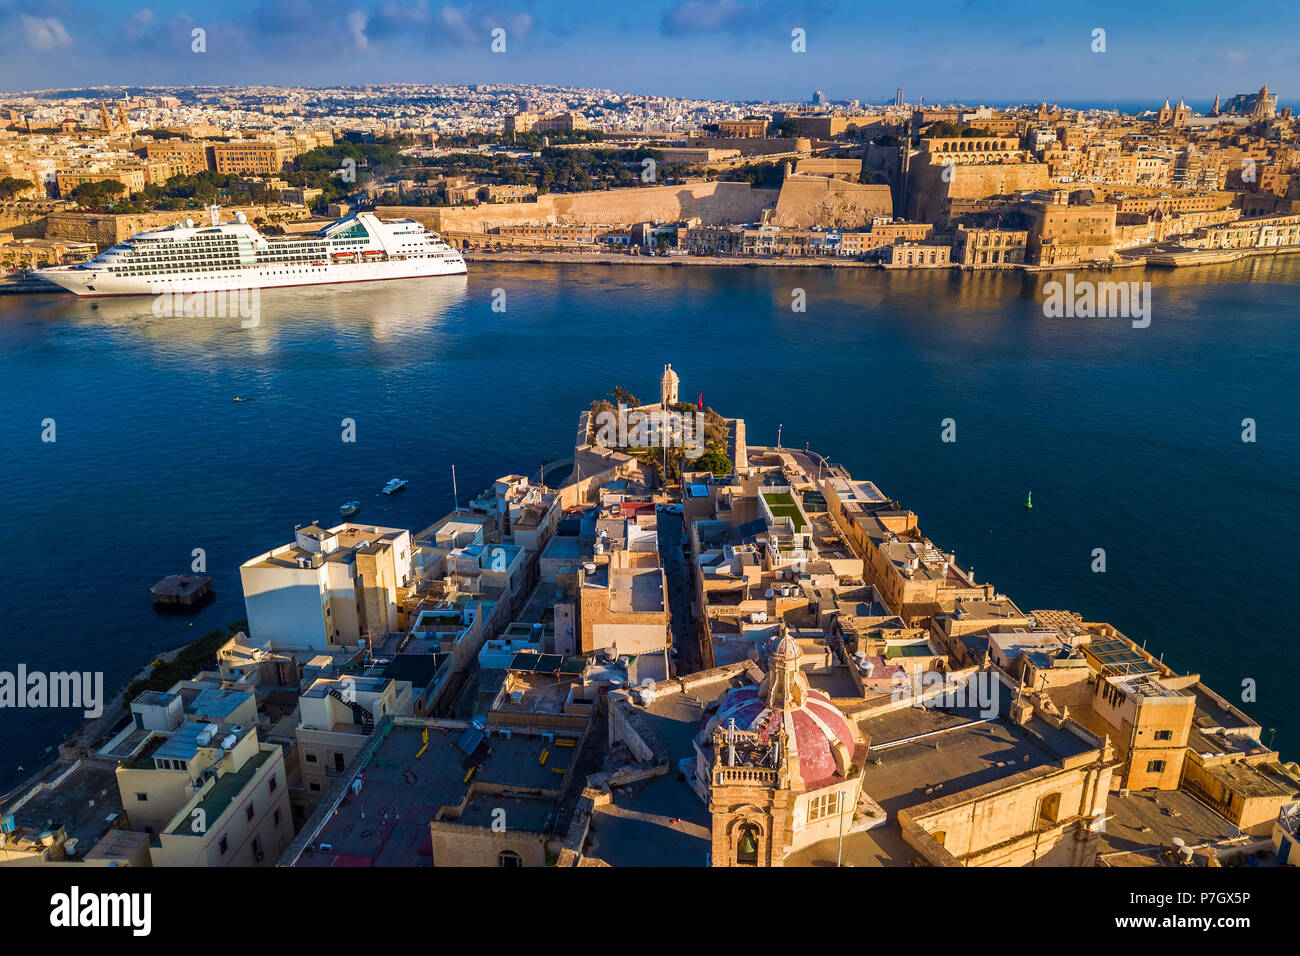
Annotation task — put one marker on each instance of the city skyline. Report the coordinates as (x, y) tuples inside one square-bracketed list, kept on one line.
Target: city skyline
[(721, 49), (373, 288)]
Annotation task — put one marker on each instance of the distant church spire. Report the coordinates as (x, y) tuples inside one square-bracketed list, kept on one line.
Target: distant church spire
[(1214, 110)]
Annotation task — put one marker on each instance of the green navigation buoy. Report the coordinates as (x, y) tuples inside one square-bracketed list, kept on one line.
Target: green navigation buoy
[(1029, 501)]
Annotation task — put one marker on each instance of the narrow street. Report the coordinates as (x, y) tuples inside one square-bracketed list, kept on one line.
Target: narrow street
[(686, 636)]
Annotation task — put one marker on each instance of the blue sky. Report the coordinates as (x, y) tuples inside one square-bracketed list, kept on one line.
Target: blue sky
[(975, 51)]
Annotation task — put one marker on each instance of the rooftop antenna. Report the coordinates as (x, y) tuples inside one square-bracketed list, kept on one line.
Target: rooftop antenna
[(454, 493), (214, 214)]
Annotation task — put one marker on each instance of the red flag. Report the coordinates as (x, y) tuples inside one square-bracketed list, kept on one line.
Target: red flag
[(701, 401)]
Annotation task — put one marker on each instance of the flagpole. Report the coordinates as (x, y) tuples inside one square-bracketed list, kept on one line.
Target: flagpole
[(454, 493)]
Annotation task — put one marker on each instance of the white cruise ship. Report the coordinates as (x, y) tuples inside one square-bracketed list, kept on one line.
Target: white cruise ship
[(234, 255)]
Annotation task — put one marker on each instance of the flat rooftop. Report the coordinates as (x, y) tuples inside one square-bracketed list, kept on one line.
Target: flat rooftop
[(957, 751), (351, 538), (403, 790), (661, 821), (216, 704), (226, 789), (636, 590), (80, 799), (1147, 818)]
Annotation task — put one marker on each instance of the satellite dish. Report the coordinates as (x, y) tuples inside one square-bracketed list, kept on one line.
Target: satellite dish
[(240, 218)]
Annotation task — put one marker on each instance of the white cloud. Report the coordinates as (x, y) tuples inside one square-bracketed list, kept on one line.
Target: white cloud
[(357, 28), (45, 33), (474, 23), (138, 23)]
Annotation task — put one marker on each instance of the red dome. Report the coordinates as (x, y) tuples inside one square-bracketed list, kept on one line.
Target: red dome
[(818, 737)]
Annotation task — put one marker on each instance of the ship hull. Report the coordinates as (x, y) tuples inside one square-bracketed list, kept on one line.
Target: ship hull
[(93, 283)]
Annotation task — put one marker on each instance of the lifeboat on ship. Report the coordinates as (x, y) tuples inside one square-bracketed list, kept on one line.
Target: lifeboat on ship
[(344, 256), (372, 253)]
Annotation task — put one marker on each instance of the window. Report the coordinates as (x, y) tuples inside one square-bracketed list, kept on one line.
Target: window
[(315, 787), (1049, 809), (311, 758), (276, 816), (509, 858), (1164, 735), (826, 805), (248, 812), (142, 797), (1155, 766), (222, 846), (338, 762), (271, 785)]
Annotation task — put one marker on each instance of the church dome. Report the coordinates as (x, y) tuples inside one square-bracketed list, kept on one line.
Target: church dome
[(818, 740)]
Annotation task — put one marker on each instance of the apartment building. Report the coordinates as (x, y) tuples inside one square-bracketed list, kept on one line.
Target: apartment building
[(336, 716), (253, 158), (329, 587), (527, 513), (199, 782)]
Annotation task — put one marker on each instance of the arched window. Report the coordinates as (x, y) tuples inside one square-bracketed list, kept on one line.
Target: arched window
[(747, 838), (1049, 809), (509, 858)]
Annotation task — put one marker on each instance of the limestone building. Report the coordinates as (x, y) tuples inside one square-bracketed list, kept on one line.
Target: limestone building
[(782, 764)]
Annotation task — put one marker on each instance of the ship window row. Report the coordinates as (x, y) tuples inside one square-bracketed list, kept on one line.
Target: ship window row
[(172, 272)]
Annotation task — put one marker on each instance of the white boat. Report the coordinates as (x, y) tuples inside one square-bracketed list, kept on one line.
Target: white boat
[(232, 255), (394, 484)]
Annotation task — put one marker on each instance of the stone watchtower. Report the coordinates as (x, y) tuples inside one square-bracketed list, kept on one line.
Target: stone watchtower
[(668, 387)]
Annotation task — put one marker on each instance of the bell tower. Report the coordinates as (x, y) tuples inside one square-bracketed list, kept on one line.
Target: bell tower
[(750, 800)]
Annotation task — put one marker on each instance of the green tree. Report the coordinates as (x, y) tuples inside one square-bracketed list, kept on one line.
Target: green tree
[(97, 194), (11, 187), (622, 396)]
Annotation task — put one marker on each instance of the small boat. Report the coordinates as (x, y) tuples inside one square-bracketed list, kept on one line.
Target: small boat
[(372, 253), (349, 508), (238, 398), (394, 485)]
